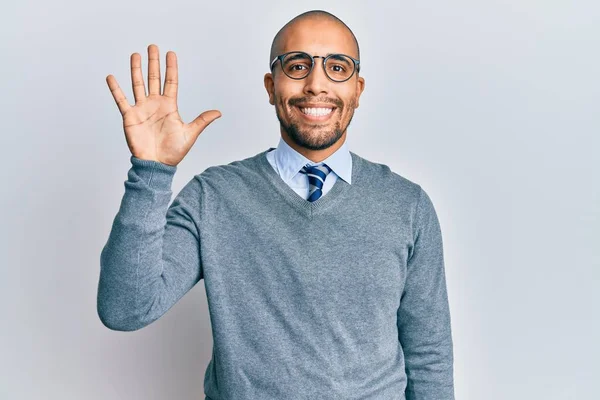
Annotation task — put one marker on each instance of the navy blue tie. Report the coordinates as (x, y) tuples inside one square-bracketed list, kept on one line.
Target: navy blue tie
[(316, 177)]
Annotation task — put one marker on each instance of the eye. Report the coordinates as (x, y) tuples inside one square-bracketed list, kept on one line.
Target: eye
[(297, 67), (338, 68)]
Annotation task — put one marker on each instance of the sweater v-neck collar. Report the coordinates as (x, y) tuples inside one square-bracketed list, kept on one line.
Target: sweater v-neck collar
[(304, 206)]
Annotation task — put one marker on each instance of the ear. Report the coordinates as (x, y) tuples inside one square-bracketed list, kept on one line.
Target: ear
[(270, 86), (360, 87)]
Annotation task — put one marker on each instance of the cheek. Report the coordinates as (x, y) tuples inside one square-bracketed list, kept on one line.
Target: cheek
[(282, 107), (282, 104), (280, 98), (350, 104)]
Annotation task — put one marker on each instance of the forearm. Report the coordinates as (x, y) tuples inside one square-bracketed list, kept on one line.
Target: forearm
[(143, 272), (428, 351)]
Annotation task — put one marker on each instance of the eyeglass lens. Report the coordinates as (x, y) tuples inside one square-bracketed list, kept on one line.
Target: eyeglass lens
[(298, 65)]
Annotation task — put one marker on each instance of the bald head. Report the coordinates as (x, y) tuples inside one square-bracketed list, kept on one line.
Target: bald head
[(309, 16)]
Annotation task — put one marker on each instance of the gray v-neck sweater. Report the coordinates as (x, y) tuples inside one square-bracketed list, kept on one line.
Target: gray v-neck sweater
[(342, 298)]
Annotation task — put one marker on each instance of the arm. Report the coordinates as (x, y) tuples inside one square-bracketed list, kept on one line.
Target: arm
[(151, 258), (424, 315)]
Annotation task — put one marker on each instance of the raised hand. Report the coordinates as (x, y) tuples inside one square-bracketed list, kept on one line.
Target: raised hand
[(153, 127)]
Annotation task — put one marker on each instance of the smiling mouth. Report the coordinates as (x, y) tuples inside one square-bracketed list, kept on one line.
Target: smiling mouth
[(316, 113)]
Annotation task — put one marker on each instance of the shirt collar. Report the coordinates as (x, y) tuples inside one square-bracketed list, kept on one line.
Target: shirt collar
[(290, 162)]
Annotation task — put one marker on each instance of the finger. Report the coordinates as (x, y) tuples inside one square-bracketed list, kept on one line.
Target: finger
[(137, 79), (117, 94), (171, 78), (153, 70), (203, 120)]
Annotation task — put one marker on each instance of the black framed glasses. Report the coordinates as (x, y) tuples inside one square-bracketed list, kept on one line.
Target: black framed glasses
[(298, 65)]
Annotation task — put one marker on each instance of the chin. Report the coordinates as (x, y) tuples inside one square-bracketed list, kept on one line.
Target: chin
[(313, 140)]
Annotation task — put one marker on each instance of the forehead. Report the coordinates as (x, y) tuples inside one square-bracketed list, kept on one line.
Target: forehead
[(318, 37)]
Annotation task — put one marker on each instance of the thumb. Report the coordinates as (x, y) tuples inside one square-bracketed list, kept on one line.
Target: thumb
[(203, 120)]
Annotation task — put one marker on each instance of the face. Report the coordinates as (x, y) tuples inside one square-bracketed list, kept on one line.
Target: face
[(294, 99)]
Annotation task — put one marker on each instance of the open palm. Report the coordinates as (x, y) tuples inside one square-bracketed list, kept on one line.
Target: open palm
[(153, 127)]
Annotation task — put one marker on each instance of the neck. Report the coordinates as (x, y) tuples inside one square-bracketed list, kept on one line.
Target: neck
[(314, 155)]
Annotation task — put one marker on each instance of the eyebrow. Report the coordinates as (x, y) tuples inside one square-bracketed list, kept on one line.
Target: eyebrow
[(328, 54), (338, 57), (295, 56)]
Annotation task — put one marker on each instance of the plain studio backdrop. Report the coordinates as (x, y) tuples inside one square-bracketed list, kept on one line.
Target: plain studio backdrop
[(491, 106)]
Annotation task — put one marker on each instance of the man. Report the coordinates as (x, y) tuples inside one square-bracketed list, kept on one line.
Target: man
[(324, 271)]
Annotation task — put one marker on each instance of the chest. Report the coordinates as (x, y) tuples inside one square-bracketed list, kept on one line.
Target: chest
[(337, 258)]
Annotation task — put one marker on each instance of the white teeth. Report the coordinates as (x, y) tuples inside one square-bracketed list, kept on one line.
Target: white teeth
[(317, 112)]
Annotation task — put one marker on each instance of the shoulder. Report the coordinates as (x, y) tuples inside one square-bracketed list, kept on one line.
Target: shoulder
[(399, 193), (231, 174), (388, 182), (394, 189)]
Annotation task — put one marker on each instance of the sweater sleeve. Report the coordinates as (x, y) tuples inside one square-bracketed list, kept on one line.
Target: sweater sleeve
[(424, 315), (151, 258)]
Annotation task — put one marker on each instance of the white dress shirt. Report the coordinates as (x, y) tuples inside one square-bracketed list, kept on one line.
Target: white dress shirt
[(287, 162)]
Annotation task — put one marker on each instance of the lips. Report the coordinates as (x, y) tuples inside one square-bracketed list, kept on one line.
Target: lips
[(316, 113)]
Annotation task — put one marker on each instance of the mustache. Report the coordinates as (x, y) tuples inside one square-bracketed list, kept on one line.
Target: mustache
[(296, 101)]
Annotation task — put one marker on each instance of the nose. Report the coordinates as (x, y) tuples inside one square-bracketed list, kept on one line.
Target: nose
[(317, 81)]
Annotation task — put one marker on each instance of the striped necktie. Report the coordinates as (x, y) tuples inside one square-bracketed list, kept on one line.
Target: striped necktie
[(316, 177)]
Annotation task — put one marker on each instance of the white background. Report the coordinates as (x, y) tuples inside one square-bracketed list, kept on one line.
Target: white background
[(492, 106)]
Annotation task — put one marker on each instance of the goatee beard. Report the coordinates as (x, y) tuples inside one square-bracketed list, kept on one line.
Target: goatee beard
[(312, 142), (316, 141)]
